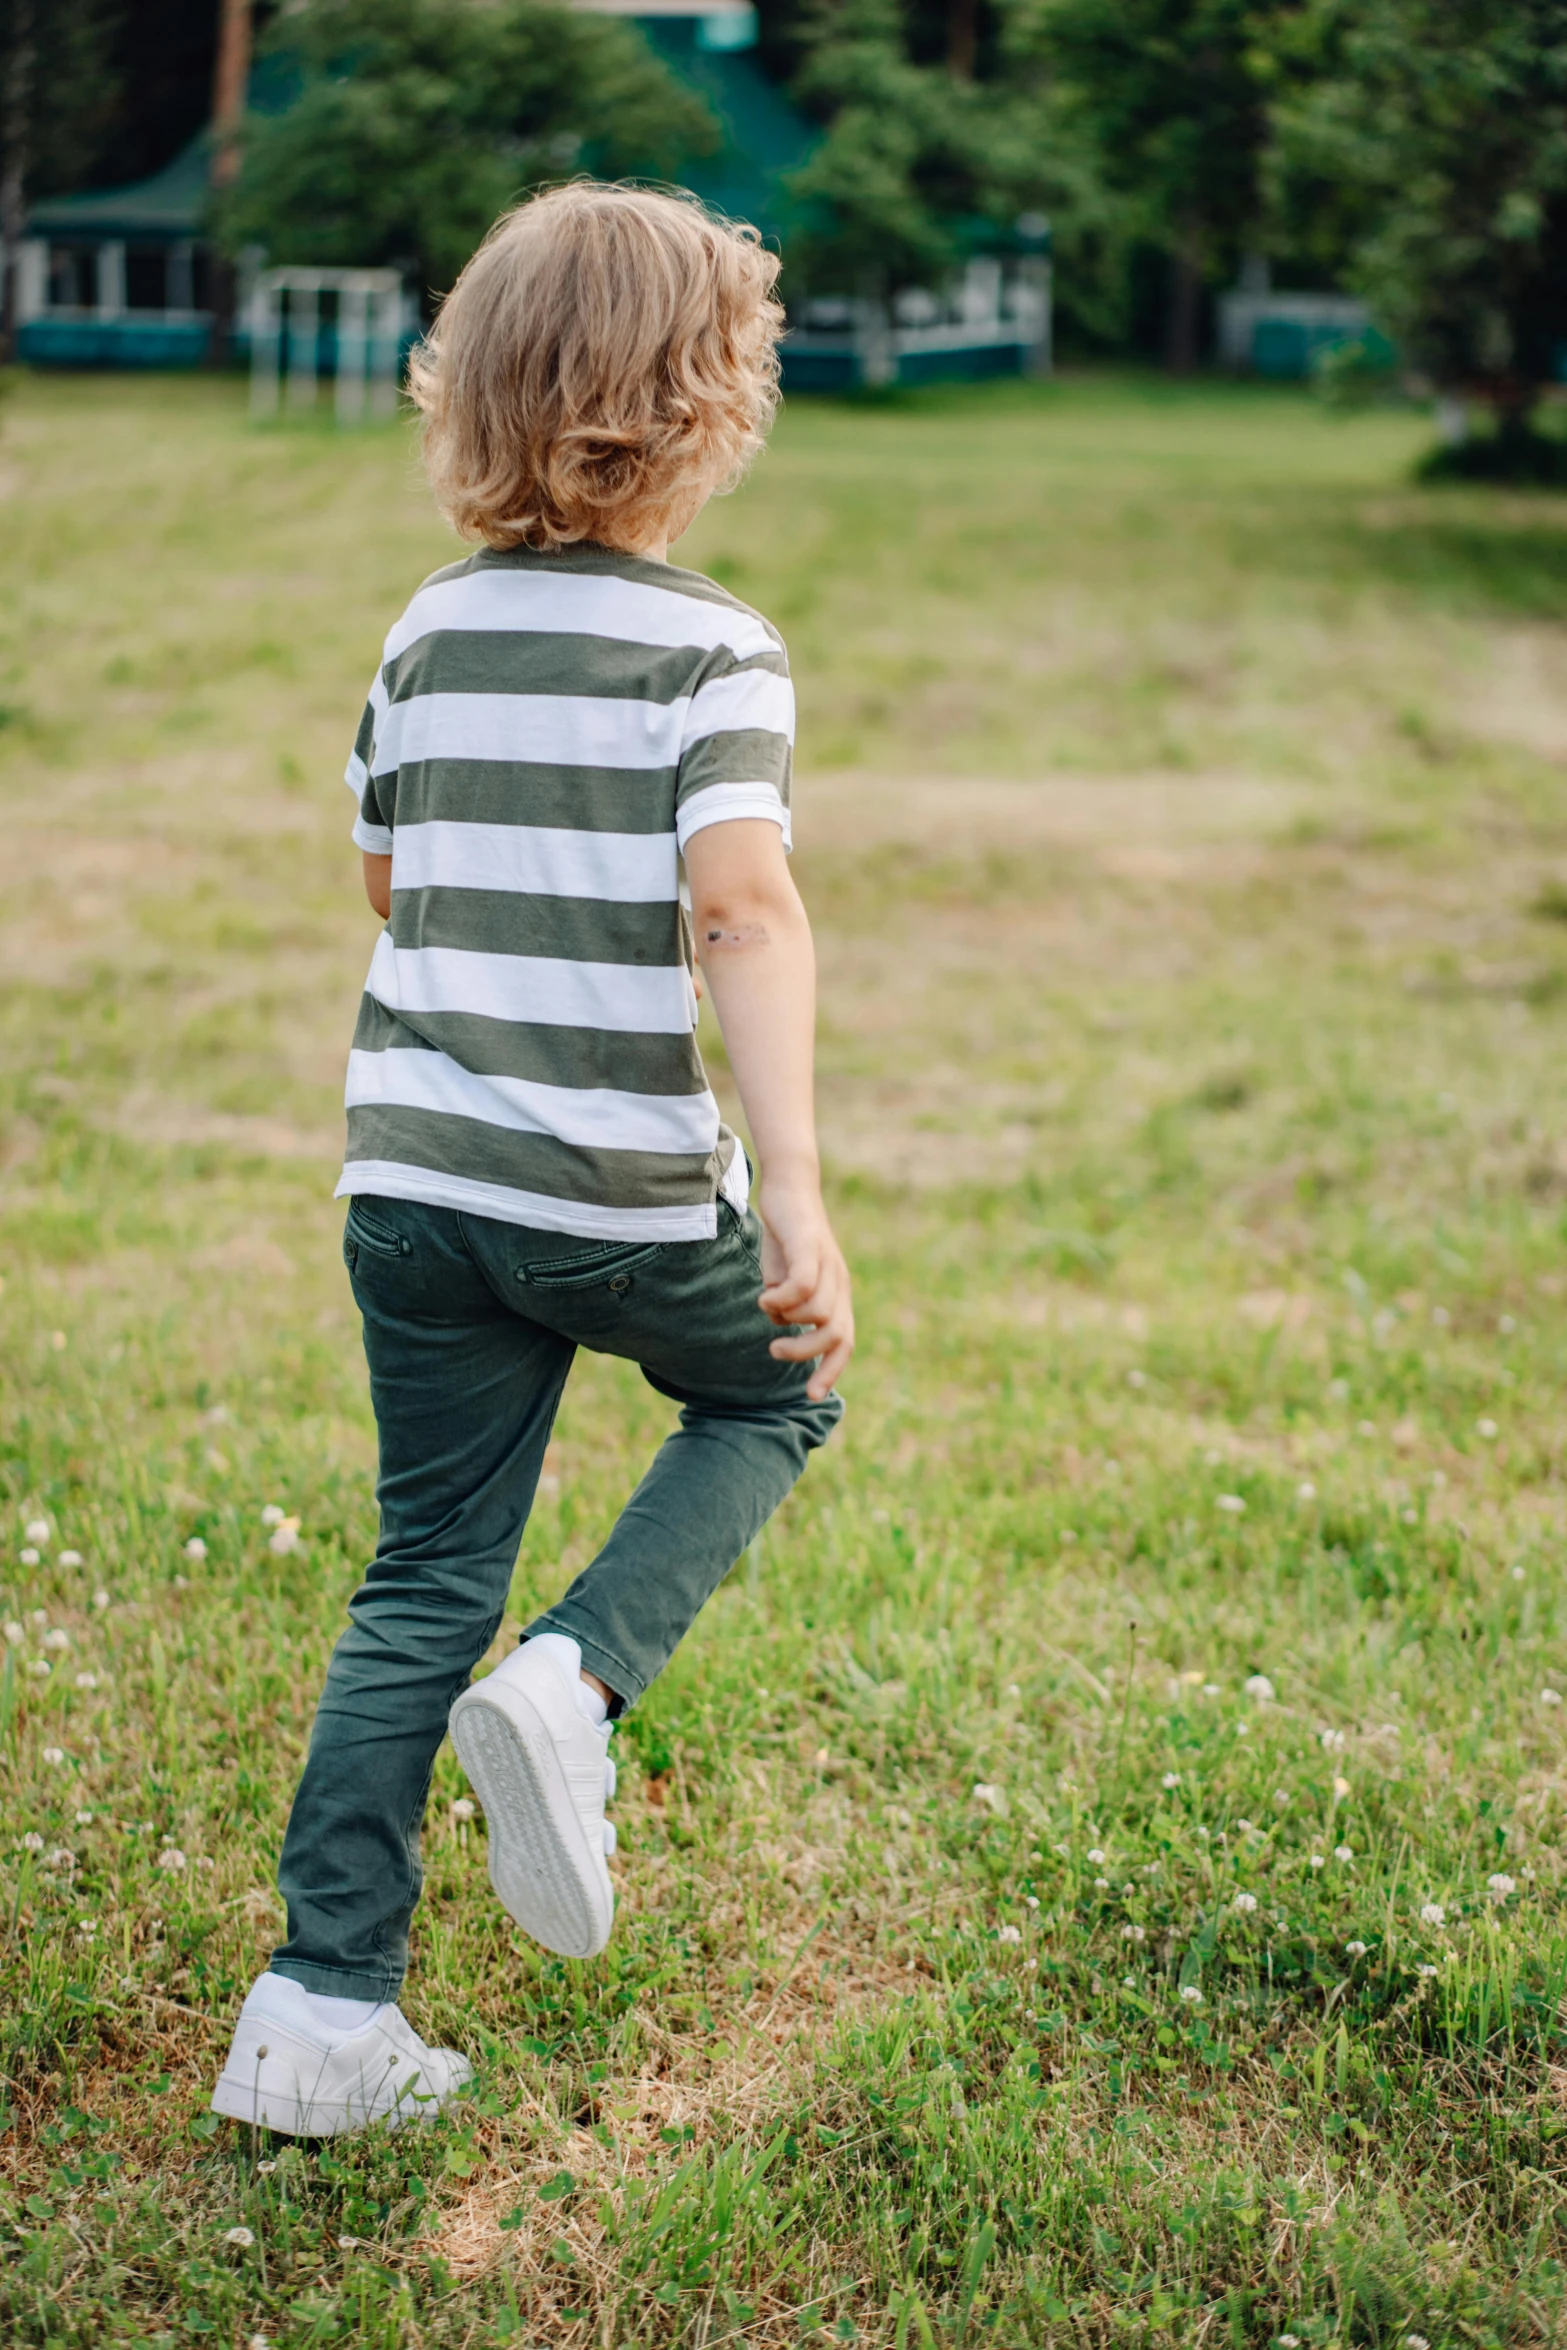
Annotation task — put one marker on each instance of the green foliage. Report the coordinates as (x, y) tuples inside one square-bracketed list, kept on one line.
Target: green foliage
[(1442, 125), (413, 123), (1168, 98), (60, 88), (903, 162)]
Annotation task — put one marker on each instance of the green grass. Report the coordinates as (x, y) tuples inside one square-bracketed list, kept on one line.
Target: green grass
[(1181, 807)]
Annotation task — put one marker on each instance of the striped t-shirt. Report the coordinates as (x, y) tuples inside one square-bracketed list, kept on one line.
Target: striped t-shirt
[(544, 736)]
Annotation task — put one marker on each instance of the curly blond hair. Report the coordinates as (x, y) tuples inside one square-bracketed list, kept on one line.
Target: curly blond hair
[(606, 360)]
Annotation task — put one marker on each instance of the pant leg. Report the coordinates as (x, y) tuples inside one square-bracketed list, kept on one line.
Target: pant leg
[(687, 1313), (465, 1392)]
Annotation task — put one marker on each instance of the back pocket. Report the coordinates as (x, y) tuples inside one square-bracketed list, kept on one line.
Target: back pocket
[(608, 1265), (370, 1233)]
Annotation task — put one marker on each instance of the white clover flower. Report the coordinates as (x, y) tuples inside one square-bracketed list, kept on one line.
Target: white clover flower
[(1101, 1884), (57, 1639), (1344, 1852), (84, 1819), (62, 1857), (1518, 1574), (1062, 1851), (1319, 1860), (1170, 1779), (1096, 1858), (1287, 2341), (463, 1808), (32, 1841), (15, 1633), (36, 1530), (1416, 2342), (29, 1556), (1210, 1688), (1133, 1934), (265, 2169), (70, 1558), (1432, 1914), (1258, 1685), (284, 1539), (1243, 1827), (1550, 1697), (1032, 1899), (1305, 1490), (54, 1755), (1485, 1428), (1009, 1933), (272, 1515), (1191, 1995), (171, 1859), (243, 2237), (993, 1798), (87, 1927), (1245, 1903), (195, 1548), (1331, 1739), (40, 1668), (1281, 1797), (100, 1600), (86, 1680), (1231, 1504), (1500, 1885), (1356, 1949), (1340, 1789)]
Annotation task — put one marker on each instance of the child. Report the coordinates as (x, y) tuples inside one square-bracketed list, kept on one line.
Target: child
[(535, 1161)]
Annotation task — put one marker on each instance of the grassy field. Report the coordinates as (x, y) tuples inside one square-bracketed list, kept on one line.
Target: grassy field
[(1094, 1875)]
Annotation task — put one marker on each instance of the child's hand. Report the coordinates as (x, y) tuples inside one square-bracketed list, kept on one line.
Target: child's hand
[(807, 1284)]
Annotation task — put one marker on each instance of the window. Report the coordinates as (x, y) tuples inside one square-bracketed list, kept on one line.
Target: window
[(146, 277)]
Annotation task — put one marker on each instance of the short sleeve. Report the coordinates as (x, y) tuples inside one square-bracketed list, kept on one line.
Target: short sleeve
[(375, 794), (737, 746)]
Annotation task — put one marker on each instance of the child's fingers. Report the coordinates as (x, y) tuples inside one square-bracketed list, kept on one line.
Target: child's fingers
[(785, 1299), (831, 1367), (816, 1310)]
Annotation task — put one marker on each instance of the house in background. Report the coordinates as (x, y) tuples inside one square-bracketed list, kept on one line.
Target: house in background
[(119, 277), (1270, 333), (123, 278)]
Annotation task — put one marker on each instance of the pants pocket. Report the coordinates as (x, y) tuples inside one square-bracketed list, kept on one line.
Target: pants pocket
[(369, 1232), (610, 1264)]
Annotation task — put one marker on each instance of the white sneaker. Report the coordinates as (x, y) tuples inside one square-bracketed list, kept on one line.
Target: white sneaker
[(287, 2071), (542, 1772)]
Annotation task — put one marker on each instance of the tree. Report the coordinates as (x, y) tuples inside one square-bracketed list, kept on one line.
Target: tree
[(1444, 124), (414, 122), (57, 91), (1169, 97), (902, 163)]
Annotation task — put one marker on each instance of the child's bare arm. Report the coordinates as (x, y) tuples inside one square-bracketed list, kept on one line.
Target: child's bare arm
[(378, 884), (754, 943)]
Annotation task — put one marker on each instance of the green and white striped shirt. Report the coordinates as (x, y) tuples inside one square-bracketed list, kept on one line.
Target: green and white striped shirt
[(544, 736)]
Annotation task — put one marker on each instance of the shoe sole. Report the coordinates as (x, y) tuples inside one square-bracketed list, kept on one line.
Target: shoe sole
[(289, 2115), (541, 1862)]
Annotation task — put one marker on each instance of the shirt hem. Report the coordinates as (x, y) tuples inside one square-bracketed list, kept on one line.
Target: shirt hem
[(584, 1219)]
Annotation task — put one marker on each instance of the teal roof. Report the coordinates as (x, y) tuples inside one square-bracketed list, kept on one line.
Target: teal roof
[(765, 136), (170, 204)]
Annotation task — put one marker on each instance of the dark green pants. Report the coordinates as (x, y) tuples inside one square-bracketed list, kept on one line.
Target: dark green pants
[(470, 1328)]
